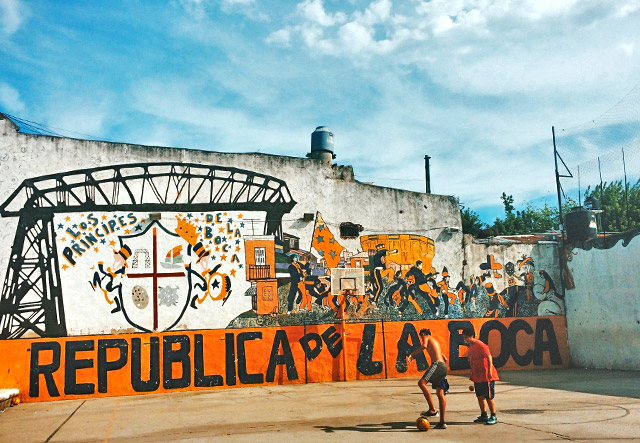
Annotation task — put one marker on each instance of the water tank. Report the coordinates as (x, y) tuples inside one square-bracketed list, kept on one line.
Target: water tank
[(322, 144), (581, 224)]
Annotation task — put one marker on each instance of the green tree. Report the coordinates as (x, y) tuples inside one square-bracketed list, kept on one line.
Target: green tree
[(620, 205), (471, 223), (531, 219)]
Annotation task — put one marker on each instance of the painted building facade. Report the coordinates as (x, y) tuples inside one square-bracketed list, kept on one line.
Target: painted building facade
[(107, 247)]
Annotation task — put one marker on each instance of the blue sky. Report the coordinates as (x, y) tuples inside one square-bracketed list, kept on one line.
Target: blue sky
[(475, 84)]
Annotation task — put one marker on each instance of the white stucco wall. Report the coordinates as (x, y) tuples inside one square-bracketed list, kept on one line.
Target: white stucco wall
[(603, 311)]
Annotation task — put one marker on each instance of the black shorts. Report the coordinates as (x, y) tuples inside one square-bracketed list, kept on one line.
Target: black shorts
[(436, 374), (485, 389)]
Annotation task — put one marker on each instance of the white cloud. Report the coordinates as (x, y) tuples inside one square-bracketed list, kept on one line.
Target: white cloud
[(195, 8), (10, 16), (313, 10), (10, 99), (281, 36)]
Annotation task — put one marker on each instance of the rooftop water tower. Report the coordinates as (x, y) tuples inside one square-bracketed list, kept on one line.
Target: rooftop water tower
[(322, 145)]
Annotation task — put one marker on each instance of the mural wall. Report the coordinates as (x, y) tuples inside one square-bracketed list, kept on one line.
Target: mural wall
[(175, 246)]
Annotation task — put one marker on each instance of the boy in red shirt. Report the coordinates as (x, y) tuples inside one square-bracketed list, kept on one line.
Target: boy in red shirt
[(483, 375)]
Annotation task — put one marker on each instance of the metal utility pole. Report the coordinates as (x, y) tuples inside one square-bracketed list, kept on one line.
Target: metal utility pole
[(560, 214), (427, 174)]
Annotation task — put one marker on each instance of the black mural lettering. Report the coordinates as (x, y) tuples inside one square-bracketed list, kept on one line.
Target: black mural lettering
[(153, 383), (405, 349), (244, 377), (230, 352), (286, 358), (71, 365), (36, 368), (104, 365), (551, 345), (365, 363), (455, 341), (333, 340), (505, 346), (515, 327), (311, 353), (180, 355), (201, 380)]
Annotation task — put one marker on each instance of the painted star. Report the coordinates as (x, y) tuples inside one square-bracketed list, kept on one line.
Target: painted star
[(63, 239), (95, 249), (320, 227), (60, 226), (237, 242), (232, 272), (237, 248), (138, 228), (104, 217), (332, 254), (242, 225), (240, 216), (112, 243), (223, 257), (126, 231), (75, 226), (189, 215), (332, 240), (67, 218), (64, 267), (221, 229), (320, 239), (230, 220), (103, 241), (240, 265), (217, 248), (215, 284)]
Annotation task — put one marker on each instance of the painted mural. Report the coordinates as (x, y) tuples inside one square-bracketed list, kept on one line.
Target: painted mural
[(123, 269)]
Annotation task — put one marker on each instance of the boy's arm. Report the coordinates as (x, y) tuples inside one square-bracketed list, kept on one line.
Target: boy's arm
[(416, 352)]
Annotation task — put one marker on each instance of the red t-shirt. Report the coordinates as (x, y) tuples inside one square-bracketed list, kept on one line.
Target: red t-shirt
[(479, 360)]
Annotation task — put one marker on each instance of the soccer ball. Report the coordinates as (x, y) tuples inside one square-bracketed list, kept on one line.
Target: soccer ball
[(423, 424)]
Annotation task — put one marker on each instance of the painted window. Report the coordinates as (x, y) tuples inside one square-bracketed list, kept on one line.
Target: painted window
[(261, 256)]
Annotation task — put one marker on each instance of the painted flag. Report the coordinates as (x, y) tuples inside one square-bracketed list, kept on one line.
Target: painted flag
[(325, 243)]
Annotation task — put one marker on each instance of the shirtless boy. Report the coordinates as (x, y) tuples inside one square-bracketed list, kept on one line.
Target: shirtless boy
[(435, 375), (483, 375)]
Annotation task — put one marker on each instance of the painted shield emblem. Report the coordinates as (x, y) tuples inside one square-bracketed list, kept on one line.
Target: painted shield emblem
[(155, 291)]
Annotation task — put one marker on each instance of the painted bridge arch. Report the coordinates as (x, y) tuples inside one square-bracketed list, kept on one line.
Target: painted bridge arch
[(31, 295)]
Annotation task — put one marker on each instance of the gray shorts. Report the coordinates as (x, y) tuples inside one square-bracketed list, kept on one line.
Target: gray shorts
[(435, 374)]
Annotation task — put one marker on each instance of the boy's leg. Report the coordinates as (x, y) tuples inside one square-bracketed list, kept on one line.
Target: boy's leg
[(425, 391), (442, 402), (492, 406), (481, 403)]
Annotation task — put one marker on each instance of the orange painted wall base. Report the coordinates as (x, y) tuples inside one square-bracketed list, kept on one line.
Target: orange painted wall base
[(112, 365)]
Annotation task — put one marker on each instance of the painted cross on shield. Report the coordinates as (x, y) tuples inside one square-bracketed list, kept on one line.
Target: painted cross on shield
[(155, 291)]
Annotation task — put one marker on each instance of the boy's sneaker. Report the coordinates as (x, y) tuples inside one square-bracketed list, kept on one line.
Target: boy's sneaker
[(492, 420), (481, 419), (429, 414)]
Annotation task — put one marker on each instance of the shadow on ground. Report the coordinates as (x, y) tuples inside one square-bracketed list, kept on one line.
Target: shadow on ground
[(593, 381), (397, 426)]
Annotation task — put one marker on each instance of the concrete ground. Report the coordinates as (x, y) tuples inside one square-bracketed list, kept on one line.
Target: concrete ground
[(573, 404)]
